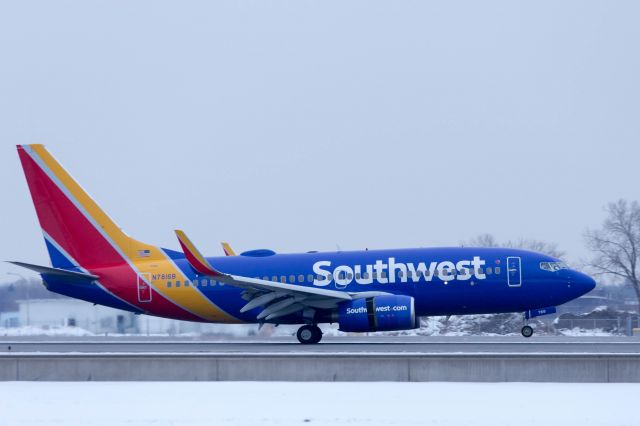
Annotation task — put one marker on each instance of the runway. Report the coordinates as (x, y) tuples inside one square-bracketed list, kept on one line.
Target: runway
[(363, 345), (362, 358)]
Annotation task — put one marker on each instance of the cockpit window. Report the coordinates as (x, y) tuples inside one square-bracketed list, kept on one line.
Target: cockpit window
[(552, 266)]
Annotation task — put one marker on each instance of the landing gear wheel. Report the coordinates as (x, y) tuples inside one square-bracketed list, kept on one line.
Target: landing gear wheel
[(309, 334), (527, 331)]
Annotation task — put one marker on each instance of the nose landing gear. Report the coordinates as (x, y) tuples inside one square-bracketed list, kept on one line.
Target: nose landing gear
[(527, 330), (309, 334)]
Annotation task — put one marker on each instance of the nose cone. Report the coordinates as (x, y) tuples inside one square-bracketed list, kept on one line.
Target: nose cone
[(582, 283)]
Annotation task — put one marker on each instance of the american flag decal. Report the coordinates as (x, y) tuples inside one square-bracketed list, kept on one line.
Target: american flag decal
[(144, 253)]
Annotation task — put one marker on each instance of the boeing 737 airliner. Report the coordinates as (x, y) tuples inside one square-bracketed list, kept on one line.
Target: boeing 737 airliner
[(362, 291)]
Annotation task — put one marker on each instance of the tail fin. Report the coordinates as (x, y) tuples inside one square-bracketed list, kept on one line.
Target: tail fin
[(77, 232)]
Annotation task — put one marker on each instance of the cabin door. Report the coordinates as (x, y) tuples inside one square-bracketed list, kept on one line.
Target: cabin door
[(144, 289), (514, 271)]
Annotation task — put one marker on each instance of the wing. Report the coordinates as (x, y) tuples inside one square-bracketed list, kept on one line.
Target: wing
[(277, 299)]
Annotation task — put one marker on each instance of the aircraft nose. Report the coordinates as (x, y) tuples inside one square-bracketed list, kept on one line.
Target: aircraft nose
[(582, 282)]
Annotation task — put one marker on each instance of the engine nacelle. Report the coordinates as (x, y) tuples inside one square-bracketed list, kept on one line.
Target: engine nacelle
[(380, 313)]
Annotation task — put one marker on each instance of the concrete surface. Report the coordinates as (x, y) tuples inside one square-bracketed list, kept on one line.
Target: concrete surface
[(380, 358), (323, 367), (329, 344)]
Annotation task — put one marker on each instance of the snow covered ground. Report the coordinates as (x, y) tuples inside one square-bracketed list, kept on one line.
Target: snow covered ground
[(431, 327), (283, 404), (41, 331)]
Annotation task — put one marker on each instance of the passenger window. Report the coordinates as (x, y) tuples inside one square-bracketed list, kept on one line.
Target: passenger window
[(274, 279), (186, 283), (497, 270), (196, 283), (365, 275), (300, 278), (349, 277), (168, 284), (427, 273), (374, 276), (436, 273), (480, 271), (489, 270), (283, 279), (204, 283), (177, 283), (292, 279), (310, 278)]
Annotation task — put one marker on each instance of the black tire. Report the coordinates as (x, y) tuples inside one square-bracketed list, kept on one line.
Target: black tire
[(527, 331), (317, 334), (309, 334)]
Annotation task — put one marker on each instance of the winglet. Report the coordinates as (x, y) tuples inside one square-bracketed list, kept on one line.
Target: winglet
[(228, 251), (194, 257)]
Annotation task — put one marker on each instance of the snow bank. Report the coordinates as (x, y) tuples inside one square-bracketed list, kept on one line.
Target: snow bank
[(577, 331), (42, 331), (335, 404)]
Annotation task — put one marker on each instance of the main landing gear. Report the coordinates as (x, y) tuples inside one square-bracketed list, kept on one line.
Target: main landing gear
[(309, 334)]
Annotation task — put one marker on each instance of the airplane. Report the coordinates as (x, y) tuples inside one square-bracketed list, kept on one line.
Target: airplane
[(92, 259)]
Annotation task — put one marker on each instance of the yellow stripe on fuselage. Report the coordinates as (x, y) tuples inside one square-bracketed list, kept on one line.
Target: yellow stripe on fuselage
[(155, 262), (190, 297)]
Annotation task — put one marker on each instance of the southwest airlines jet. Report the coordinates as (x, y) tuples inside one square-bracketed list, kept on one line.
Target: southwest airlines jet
[(362, 291)]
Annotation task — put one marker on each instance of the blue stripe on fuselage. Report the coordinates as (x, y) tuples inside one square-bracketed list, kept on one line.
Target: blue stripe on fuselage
[(58, 260)]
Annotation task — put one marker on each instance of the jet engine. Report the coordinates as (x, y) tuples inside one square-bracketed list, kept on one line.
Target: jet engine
[(379, 313)]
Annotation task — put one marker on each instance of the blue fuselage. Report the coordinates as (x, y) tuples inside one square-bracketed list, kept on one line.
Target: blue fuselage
[(443, 281)]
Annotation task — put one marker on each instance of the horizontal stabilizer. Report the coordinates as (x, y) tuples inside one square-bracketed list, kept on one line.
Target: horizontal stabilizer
[(57, 272)]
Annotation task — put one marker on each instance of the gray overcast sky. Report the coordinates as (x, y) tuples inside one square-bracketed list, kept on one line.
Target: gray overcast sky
[(298, 125)]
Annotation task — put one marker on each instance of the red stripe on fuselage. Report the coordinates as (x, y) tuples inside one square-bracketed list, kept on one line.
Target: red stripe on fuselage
[(69, 227)]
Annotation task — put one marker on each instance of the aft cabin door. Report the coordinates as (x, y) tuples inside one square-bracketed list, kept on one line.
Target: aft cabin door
[(514, 271), (144, 289)]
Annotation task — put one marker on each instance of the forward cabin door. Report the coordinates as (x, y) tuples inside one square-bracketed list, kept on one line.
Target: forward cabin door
[(144, 289), (514, 271)]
